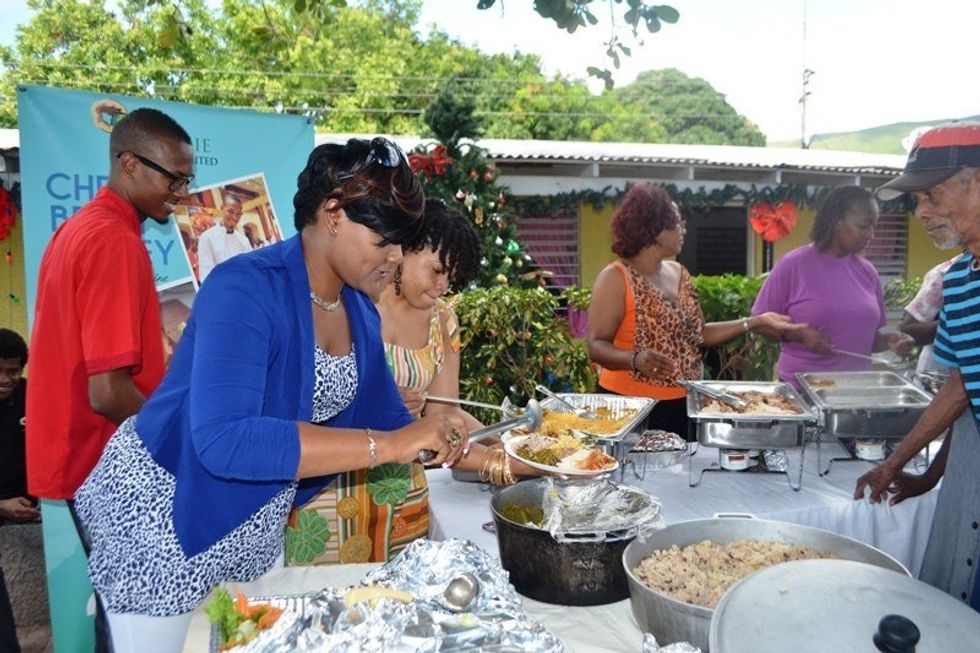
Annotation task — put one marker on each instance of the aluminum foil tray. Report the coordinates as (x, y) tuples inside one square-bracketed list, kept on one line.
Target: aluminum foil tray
[(616, 403)]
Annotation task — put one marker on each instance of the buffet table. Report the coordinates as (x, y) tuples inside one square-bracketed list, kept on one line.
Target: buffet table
[(460, 509)]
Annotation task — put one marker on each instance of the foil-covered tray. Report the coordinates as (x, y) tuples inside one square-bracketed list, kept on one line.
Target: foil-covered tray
[(616, 404), (750, 430), (492, 619), (864, 404)]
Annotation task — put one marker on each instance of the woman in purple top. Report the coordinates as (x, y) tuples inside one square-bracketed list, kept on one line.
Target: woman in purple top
[(831, 288)]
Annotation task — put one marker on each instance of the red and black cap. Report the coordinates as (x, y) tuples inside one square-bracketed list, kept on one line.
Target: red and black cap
[(937, 155)]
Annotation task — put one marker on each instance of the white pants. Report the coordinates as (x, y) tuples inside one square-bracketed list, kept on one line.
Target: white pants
[(138, 633)]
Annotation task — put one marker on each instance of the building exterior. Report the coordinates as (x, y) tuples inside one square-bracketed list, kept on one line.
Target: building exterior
[(582, 181)]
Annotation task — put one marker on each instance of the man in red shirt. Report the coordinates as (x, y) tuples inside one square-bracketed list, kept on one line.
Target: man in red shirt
[(97, 346)]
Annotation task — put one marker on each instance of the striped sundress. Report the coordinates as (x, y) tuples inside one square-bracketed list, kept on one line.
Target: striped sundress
[(370, 515)]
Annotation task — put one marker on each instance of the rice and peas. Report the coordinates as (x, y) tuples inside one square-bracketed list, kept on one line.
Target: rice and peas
[(701, 573)]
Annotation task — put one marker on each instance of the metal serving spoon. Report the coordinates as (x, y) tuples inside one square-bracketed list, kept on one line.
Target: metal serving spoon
[(584, 413), (880, 360), (507, 409), (461, 592), (531, 418)]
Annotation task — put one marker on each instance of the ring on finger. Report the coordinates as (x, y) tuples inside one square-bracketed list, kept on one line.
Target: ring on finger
[(454, 438)]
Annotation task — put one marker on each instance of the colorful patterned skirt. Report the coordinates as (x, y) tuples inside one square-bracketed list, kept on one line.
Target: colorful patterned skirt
[(362, 516)]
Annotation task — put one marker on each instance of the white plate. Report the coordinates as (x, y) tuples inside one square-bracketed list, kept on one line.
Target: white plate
[(514, 443)]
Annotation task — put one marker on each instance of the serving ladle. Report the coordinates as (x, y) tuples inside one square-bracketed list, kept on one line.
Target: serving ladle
[(461, 592), (530, 418), (508, 409)]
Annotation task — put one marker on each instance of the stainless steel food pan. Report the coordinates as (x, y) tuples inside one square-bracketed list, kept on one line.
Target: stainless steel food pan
[(750, 430)]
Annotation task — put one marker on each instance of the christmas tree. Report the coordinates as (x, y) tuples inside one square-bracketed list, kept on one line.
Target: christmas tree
[(456, 170)]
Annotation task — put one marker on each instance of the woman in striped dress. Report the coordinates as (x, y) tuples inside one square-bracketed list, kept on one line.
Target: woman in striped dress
[(371, 515)]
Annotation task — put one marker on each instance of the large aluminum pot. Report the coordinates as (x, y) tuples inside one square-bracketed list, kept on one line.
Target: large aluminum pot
[(577, 569), (671, 620)]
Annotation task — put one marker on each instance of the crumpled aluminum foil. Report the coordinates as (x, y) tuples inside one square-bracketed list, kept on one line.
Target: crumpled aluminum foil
[(574, 507), (650, 646), (495, 620), (776, 460)]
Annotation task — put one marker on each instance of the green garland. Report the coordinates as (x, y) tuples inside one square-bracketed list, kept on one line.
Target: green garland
[(690, 199)]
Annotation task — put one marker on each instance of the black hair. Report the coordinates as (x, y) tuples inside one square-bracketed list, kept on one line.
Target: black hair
[(450, 234), (144, 124), (388, 201), (833, 207), (13, 346)]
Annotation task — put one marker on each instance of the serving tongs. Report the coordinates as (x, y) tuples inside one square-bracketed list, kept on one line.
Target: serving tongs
[(880, 360), (530, 418), (735, 402), (578, 411)]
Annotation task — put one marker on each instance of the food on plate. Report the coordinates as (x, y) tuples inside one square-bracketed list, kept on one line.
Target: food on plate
[(548, 450), (760, 403), (589, 460), (565, 452), (239, 622), (521, 514), (608, 421), (657, 440), (701, 573), (374, 593)]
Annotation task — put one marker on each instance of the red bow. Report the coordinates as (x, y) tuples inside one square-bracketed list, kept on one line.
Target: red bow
[(773, 222), (8, 214), (430, 165)]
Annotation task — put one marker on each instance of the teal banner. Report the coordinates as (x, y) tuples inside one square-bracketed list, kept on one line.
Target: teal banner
[(64, 157)]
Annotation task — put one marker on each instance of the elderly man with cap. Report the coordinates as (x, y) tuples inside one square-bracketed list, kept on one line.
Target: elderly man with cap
[(943, 177)]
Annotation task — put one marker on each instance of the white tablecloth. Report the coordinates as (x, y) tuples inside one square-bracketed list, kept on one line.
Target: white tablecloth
[(460, 509)]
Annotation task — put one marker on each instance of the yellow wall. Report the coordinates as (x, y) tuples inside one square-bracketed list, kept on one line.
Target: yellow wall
[(594, 242), (13, 314), (922, 254)]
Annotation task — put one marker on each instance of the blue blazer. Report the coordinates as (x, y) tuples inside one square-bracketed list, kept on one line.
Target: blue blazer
[(223, 420)]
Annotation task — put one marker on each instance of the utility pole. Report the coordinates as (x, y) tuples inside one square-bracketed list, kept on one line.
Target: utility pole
[(807, 74)]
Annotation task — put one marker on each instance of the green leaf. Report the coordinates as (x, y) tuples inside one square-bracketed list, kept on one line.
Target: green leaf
[(667, 14), (168, 35)]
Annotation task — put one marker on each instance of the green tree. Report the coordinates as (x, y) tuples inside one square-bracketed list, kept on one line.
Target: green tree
[(688, 108)]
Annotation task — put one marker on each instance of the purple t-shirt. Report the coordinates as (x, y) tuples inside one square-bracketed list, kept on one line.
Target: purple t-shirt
[(840, 297)]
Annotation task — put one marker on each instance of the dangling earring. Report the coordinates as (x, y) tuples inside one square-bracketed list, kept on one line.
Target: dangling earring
[(398, 279)]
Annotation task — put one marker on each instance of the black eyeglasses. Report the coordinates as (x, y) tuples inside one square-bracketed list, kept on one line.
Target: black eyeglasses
[(177, 182), (383, 153)]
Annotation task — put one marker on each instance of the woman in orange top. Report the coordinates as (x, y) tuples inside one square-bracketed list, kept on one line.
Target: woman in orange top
[(646, 328)]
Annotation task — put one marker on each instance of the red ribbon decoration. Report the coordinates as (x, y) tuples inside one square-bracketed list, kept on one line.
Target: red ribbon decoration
[(8, 214), (430, 165), (773, 221)]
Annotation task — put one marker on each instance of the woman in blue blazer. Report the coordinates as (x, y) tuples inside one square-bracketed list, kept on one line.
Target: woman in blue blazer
[(279, 383)]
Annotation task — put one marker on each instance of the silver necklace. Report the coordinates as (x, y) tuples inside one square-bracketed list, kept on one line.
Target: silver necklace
[(975, 265), (329, 307)]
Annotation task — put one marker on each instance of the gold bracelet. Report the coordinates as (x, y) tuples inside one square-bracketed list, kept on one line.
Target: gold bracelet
[(372, 448)]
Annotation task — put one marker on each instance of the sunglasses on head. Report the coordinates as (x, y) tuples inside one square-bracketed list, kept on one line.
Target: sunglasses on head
[(177, 182), (381, 152)]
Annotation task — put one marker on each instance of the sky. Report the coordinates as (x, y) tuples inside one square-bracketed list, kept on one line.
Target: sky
[(874, 62)]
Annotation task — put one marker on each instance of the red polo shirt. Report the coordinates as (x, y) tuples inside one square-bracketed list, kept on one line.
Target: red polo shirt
[(96, 310)]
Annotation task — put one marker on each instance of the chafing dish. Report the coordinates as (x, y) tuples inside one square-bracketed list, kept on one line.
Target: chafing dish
[(749, 430), (864, 404)]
